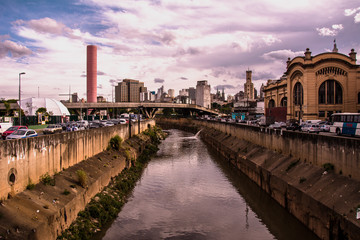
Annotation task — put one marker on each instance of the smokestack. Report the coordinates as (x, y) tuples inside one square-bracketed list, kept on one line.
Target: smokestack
[(91, 73)]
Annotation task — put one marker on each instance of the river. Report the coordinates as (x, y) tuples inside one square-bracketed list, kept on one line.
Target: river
[(187, 192)]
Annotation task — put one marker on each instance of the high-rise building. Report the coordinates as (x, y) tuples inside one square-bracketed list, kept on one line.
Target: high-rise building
[(91, 73), (171, 93), (129, 91), (249, 86), (203, 97), (192, 94)]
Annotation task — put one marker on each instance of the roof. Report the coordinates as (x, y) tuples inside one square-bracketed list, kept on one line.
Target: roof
[(53, 107)]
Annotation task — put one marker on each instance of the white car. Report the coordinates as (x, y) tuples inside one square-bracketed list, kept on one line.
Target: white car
[(22, 133), (122, 121)]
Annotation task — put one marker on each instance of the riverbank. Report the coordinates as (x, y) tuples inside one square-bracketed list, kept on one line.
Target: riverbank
[(47, 209), (324, 201)]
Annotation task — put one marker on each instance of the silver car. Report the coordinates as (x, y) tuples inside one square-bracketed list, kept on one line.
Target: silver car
[(22, 133)]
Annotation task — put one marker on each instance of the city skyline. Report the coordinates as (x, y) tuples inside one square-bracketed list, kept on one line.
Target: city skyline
[(170, 43)]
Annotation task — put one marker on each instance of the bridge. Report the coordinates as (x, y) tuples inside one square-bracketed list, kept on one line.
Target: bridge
[(149, 109)]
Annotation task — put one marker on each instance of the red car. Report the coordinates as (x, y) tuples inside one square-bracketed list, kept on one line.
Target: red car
[(12, 129)]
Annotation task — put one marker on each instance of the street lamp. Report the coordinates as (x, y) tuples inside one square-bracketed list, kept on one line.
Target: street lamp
[(20, 97)]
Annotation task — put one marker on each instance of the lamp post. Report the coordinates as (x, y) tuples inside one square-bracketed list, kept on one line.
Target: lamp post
[(20, 97)]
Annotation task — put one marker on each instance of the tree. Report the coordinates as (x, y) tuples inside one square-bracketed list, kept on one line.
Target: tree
[(41, 110)]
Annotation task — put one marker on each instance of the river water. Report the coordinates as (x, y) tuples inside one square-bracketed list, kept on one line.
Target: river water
[(186, 192)]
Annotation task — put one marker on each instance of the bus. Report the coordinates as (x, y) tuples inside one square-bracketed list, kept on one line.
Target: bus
[(345, 123)]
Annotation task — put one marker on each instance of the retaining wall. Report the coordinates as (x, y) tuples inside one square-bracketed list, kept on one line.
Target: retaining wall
[(26, 160), (325, 202), (316, 149)]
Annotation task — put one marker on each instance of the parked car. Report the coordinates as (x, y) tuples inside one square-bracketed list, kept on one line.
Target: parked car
[(275, 126), (293, 127), (12, 129), (311, 128), (122, 121), (325, 127), (108, 124), (22, 133), (53, 128), (94, 125)]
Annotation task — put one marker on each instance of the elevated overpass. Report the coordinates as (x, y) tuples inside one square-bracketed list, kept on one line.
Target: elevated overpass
[(149, 109)]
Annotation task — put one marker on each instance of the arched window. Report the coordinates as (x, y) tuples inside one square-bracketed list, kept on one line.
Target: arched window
[(283, 102), (330, 92), (271, 103), (298, 94)]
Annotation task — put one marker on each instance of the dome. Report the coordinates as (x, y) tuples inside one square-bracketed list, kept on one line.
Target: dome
[(53, 107)]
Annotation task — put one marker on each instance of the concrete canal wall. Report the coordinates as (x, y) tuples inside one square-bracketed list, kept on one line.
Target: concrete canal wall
[(24, 161), (288, 167)]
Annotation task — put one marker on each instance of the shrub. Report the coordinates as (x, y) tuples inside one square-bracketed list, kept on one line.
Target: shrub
[(291, 165), (66, 192), (115, 143), (47, 180), (82, 178), (31, 185), (328, 166)]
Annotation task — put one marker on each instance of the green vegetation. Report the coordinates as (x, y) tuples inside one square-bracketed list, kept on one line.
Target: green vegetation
[(82, 178), (31, 185), (66, 192), (105, 206), (291, 165), (46, 179), (328, 166), (115, 143)]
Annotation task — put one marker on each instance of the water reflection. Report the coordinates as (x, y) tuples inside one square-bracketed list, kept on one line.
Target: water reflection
[(187, 193)]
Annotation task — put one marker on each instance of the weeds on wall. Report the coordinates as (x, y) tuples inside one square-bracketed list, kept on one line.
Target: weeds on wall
[(46, 179), (82, 178), (31, 185), (291, 165), (115, 143), (328, 166)]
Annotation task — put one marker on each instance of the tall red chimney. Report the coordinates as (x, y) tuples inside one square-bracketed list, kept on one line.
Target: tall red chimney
[(91, 73)]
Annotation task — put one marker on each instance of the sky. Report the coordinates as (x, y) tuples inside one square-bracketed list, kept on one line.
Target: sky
[(170, 43)]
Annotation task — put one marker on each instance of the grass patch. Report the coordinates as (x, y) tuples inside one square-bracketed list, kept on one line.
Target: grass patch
[(46, 179), (291, 165), (82, 178)]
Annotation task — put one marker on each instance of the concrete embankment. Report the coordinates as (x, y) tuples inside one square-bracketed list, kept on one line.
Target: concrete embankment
[(324, 201), (45, 211)]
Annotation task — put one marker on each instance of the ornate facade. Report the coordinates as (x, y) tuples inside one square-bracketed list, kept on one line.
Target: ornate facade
[(317, 86)]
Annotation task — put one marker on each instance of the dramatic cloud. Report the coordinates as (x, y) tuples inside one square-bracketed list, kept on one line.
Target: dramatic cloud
[(159, 80), (282, 55), (330, 32), (15, 50), (47, 25)]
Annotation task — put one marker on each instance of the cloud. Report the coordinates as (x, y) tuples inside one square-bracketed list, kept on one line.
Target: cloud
[(113, 82), (282, 55), (47, 26), (15, 50), (100, 86), (357, 18), (351, 11), (330, 32), (184, 78), (225, 86), (159, 80), (100, 73), (83, 75)]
